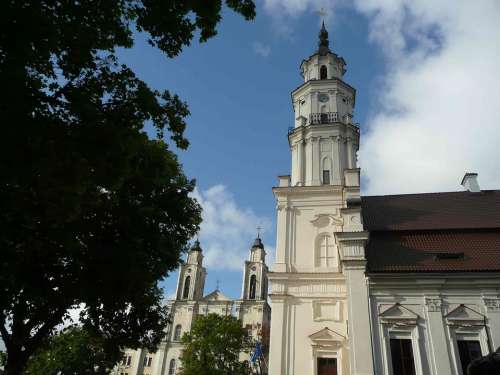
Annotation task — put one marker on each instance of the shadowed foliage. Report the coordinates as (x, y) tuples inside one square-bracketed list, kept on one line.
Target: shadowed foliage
[(94, 213), (73, 351)]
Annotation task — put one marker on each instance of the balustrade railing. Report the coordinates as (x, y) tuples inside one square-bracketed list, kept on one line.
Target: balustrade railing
[(323, 118)]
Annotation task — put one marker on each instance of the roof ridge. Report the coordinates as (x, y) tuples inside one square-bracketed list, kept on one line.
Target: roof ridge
[(429, 193)]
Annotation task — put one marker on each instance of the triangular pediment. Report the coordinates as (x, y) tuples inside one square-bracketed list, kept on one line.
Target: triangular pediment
[(216, 295), (326, 335), (463, 313), (400, 313)]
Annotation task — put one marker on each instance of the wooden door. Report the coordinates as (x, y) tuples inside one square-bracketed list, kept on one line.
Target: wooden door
[(327, 366)]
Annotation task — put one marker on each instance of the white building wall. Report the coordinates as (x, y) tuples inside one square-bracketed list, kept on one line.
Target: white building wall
[(434, 335)]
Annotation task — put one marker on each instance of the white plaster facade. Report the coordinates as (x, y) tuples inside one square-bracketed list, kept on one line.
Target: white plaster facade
[(434, 312), (317, 282), (252, 310), (325, 303)]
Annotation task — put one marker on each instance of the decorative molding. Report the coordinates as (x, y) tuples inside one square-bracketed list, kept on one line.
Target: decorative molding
[(352, 245), (398, 315), (327, 338), (323, 220), (492, 304), (327, 310), (309, 288), (463, 316), (433, 304)]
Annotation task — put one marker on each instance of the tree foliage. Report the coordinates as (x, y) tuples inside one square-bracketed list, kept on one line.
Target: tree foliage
[(213, 347), (94, 213), (73, 351)]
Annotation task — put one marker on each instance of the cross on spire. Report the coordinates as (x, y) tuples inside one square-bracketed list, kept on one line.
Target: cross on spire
[(322, 13), (217, 284), (259, 228)]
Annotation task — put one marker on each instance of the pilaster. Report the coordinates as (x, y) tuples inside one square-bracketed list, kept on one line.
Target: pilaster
[(278, 339), (492, 305), (352, 248), (437, 335)]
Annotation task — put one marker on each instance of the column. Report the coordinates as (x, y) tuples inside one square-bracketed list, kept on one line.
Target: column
[(300, 151), (354, 265), (437, 336), (315, 165), (136, 362), (337, 171), (295, 164), (277, 365), (159, 363), (308, 161), (350, 158)]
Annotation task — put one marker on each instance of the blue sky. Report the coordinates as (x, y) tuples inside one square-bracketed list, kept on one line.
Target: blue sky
[(240, 107), (405, 62)]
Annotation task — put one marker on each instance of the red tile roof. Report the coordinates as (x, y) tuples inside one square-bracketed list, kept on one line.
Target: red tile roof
[(412, 251), (456, 210), (437, 232)]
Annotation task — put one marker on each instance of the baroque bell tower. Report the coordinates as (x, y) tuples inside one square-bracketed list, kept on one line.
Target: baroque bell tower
[(318, 286), (323, 141)]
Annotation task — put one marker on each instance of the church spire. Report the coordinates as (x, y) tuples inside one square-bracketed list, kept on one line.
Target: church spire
[(323, 43)]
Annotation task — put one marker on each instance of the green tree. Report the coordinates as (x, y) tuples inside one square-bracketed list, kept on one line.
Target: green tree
[(213, 347), (72, 351), (94, 213)]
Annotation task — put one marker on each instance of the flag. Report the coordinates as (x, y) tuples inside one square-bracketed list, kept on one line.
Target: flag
[(257, 353)]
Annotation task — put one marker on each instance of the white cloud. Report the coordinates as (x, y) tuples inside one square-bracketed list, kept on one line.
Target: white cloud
[(261, 49), (227, 229), (438, 111), (284, 11)]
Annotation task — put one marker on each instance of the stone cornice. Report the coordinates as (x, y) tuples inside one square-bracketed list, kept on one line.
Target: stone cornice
[(304, 276), (321, 82), (421, 282), (319, 189)]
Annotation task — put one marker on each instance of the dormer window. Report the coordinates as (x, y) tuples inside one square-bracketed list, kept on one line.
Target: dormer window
[(323, 72)]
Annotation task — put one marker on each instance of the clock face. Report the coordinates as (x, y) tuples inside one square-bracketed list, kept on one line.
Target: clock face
[(323, 98)]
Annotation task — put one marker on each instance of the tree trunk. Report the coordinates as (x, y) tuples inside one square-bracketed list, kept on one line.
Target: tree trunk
[(16, 362)]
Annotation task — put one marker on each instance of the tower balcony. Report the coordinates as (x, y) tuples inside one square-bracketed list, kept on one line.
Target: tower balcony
[(323, 118)]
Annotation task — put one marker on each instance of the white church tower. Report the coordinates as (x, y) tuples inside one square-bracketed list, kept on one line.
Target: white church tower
[(252, 309), (318, 285)]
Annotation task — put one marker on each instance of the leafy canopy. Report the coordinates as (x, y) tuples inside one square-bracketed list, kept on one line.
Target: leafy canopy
[(72, 351), (94, 213), (213, 347)]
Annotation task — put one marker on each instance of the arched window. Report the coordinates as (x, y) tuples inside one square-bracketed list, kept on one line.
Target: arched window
[(171, 367), (177, 332), (325, 252), (187, 282), (323, 72), (253, 287)]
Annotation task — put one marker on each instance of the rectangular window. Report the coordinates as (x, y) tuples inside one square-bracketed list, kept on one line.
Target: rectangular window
[(326, 177), (402, 357), (468, 350), (327, 366)]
